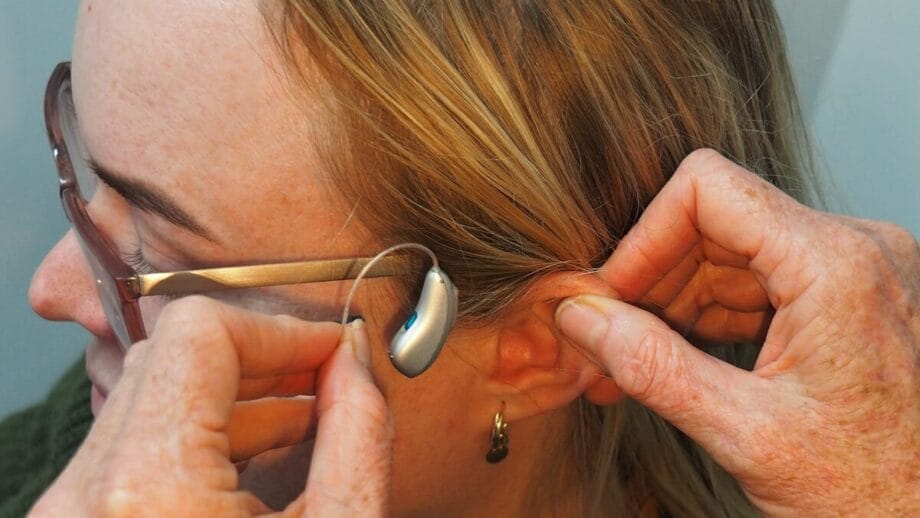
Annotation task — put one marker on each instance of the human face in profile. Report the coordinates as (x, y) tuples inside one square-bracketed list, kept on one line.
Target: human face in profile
[(186, 104)]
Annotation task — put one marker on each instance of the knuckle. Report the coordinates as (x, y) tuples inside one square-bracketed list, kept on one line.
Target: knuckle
[(880, 239), (195, 315), (871, 249), (118, 504), (700, 163), (134, 356), (875, 250), (861, 247), (193, 307), (899, 239), (646, 371), (708, 169), (879, 257), (114, 496), (658, 370), (289, 322), (190, 330), (702, 157)]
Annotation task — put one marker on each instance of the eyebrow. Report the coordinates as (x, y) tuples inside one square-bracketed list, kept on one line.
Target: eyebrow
[(149, 199)]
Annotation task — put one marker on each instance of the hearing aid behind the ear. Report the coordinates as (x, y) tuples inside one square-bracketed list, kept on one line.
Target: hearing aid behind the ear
[(419, 340), (417, 343)]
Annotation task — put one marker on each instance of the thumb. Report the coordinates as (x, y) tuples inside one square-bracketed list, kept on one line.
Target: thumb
[(711, 401), (350, 466)]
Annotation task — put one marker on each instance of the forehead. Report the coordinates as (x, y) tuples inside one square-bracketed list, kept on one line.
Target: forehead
[(190, 97)]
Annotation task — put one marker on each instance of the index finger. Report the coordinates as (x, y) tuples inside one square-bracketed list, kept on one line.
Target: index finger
[(184, 379), (709, 199), (265, 345)]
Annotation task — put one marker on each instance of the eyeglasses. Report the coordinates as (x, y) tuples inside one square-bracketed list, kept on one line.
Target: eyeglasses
[(119, 285)]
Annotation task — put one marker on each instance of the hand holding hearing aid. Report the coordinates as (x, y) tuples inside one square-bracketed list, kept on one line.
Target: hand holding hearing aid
[(211, 386), (828, 422), (165, 442)]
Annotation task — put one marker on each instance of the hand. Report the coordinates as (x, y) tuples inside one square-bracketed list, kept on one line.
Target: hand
[(828, 422), (203, 391)]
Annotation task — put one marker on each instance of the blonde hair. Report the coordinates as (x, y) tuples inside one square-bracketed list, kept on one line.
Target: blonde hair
[(521, 137)]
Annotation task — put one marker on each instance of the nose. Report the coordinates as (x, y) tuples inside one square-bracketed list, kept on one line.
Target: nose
[(63, 288)]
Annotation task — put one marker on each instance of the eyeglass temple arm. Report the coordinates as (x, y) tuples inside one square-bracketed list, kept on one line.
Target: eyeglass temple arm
[(213, 279)]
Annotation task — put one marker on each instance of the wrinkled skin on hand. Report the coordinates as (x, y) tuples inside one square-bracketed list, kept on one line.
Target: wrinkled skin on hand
[(209, 387), (828, 422)]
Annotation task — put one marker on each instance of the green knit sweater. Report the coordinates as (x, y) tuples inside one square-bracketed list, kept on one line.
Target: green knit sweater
[(36, 443)]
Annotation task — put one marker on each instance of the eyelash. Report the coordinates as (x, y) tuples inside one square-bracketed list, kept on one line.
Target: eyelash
[(135, 259)]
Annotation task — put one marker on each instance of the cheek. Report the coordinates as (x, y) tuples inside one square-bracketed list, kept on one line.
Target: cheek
[(436, 437)]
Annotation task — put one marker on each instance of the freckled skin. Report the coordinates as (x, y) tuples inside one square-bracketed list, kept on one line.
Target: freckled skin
[(184, 96), (189, 98)]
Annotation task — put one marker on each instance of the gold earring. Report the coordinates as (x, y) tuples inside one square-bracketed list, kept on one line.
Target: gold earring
[(499, 443)]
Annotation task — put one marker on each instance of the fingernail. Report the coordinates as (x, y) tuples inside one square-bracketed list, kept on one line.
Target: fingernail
[(582, 321), (357, 335)]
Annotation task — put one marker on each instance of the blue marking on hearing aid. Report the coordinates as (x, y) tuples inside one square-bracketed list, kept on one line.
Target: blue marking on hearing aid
[(411, 320)]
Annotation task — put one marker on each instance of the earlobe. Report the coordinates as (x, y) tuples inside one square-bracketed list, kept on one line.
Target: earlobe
[(536, 369), (604, 392)]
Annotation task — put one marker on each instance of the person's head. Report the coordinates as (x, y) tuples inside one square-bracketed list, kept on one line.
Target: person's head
[(519, 140)]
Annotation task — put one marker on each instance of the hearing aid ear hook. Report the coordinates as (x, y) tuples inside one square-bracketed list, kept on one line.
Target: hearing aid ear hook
[(419, 340)]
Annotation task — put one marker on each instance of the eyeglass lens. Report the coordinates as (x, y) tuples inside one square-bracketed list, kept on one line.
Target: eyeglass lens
[(87, 186), (79, 158)]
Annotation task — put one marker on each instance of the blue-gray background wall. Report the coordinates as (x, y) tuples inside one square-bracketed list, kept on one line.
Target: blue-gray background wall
[(857, 62), (34, 36)]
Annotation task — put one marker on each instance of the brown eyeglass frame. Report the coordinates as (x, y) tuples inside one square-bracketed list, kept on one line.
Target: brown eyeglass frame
[(131, 285)]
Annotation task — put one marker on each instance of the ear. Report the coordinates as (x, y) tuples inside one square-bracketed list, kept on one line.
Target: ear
[(535, 368)]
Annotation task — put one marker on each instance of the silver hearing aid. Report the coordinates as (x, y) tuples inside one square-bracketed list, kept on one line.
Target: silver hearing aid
[(419, 340)]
